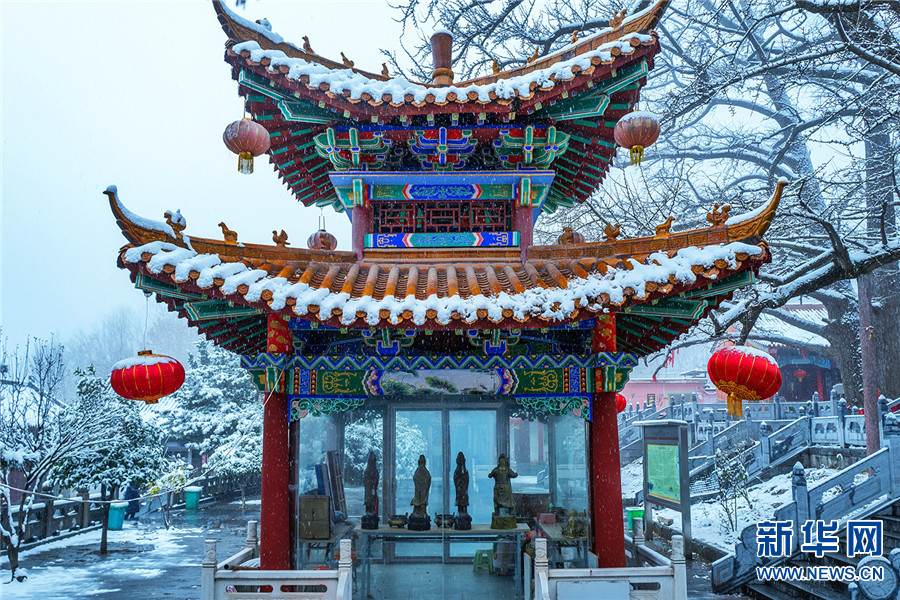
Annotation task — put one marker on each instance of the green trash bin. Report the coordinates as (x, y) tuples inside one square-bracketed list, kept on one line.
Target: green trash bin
[(634, 512), (117, 515), (192, 497)]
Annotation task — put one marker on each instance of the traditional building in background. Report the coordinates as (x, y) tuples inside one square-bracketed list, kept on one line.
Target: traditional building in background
[(799, 352), (444, 303)]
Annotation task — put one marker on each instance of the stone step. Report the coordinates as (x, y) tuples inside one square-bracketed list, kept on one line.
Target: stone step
[(761, 591), (807, 590), (835, 587)]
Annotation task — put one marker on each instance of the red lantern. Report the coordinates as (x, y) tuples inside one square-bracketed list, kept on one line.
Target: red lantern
[(147, 377), (247, 139), (800, 374), (744, 373), (636, 131), (621, 402)]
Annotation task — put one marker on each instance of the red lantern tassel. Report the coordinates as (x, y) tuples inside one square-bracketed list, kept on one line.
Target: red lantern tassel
[(735, 406), (245, 163), (637, 154)]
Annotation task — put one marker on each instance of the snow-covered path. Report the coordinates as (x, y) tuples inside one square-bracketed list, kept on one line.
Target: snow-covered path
[(145, 561)]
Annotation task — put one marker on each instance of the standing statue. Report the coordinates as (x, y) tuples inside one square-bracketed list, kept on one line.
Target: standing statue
[(504, 516), (461, 483), (370, 499), (419, 519)]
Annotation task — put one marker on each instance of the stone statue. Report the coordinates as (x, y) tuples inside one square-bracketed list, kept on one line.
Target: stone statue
[(504, 516), (370, 499), (419, 519), (461, 483)]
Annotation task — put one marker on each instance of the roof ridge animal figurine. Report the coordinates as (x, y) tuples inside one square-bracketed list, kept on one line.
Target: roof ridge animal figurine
[(718, 217), (280, 239), (612, 232), (231, 237), (663, 229)]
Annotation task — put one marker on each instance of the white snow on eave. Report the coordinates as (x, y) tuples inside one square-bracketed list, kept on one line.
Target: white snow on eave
[(266, 33), (553, 304), (341, 80), (138, 219), (734, 220)]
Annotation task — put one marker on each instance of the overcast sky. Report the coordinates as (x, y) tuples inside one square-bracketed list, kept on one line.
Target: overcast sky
[(136, 94)]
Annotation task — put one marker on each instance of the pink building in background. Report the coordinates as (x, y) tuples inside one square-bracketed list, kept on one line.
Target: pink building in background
[(638, 391)]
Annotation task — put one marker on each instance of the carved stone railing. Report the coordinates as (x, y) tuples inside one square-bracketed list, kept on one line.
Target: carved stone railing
[(239, 577), (221, 487), (650, 576), (856, 499), (55, 519)]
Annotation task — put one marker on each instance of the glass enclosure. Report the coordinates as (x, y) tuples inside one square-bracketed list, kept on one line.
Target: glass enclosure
[(547, 452)]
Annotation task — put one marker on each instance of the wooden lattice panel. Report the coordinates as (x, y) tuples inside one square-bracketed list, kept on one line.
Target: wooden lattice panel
[(442, 216)]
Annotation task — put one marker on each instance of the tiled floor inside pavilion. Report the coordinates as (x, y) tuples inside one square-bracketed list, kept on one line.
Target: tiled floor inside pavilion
[(437, 581)]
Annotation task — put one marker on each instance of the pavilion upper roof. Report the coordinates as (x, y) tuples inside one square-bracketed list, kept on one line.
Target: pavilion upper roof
[(361, 93), (306, 102)]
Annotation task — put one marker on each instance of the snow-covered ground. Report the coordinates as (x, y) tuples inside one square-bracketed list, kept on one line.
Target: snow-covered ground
[(710, 524), (633, 478), (95, 576), (144, 561), (254, 502)]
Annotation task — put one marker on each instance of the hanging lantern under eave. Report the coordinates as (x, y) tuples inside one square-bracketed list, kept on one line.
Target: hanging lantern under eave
[(744, 373), (636, 131), (247, 139), (147, 377), (621, 402), (800, 374)]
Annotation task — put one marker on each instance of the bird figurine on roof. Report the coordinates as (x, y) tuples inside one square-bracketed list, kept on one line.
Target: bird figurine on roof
[(534, 57), (611, 232), (306, 46), (663, 230), (264, 23), (230, 236), (574, 37), (717, 217), (617, 18), (495, 67), (570, 236), (384, 70), (347, 62), (175, 221), (280, 239)]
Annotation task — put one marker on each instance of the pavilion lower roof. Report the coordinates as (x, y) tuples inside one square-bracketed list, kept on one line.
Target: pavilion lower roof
[(669, 281)]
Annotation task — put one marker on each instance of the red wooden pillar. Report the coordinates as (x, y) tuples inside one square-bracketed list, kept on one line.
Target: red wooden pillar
[(275, 516), (361, 224), (604, 473), (523, 222)]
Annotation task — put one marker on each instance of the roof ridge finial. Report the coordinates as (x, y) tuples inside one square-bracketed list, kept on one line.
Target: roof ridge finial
[(442, 55)]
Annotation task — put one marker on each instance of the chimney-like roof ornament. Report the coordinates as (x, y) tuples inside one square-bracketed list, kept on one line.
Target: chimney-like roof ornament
[(442, 54)]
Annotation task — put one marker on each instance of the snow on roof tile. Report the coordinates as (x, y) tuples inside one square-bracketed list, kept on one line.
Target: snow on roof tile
[(347, 81), (602, 288)]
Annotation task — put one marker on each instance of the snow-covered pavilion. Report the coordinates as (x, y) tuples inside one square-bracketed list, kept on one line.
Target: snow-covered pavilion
[(445, 317)]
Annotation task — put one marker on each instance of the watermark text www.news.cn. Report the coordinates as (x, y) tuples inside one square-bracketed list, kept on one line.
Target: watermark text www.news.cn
[(775, 539)]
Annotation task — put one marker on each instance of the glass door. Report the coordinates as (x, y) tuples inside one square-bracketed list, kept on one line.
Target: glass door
[(419, 432), (474, 433)]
